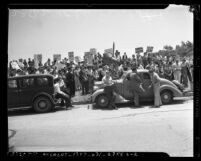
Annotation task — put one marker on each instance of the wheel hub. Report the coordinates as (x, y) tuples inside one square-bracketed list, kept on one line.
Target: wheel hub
[(102, 100), (166, 96), (42, 104)]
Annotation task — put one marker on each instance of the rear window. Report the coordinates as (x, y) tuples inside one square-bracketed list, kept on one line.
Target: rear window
[(12, 83), (42, 81), (146, 76), (27, 82)]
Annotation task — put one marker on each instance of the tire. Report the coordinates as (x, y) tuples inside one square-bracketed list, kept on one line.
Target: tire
[(166, 97), (42, 104), (102, 101)]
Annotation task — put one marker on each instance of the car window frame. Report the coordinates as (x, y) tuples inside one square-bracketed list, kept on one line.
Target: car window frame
[(21, 82), (37, 84), (146, 78)]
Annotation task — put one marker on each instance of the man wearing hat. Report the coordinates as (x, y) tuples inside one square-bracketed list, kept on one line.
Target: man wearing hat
[(135, 84)]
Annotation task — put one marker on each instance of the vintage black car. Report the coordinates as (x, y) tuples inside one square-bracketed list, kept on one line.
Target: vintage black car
[(36, 90)]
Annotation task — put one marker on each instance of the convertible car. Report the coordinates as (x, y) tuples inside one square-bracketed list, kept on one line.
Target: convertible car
[(168, 90)]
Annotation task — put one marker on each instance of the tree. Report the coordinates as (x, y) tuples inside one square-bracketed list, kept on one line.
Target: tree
[(185, 49)]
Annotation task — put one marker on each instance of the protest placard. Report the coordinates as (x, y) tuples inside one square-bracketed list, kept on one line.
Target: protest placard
[(139, 50), (108, 52), (149, 49), (57, 57), (37, 59), (71, 56)]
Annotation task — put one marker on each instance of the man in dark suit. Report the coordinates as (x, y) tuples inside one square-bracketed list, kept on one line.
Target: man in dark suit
[(135, 84), (84, 80), (70, 82)]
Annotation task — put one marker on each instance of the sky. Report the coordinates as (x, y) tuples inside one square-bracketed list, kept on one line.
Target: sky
[(56, 31)]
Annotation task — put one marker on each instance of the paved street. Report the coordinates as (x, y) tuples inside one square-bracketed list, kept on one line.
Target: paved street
[(167, 129)]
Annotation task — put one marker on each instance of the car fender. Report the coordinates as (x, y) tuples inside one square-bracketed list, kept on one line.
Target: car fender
[(118, 99), (96, 93), (176, 92), (44, 94)]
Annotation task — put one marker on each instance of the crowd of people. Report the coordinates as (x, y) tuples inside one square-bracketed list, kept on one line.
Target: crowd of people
[(81, 77)]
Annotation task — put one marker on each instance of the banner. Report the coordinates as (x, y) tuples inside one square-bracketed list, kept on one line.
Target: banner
[(150, 48), (71, 56), (57, 57), (139, 50)]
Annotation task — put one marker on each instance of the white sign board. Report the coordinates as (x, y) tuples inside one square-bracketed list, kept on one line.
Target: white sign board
[(71, 56), (88, 58), (37, 59), (139, 50), (57, 57), (77, 59), (150, 48), (93, 51), (108, 52)]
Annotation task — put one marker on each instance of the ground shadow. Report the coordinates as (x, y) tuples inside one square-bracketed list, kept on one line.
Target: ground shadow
[(142, 105), (30, 111)]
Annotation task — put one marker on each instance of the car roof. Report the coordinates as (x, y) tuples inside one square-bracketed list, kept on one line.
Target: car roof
[(31, 76)]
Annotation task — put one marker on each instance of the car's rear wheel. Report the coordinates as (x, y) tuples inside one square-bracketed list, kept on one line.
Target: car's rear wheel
[(102, 101), (42, 104), (166, 97)]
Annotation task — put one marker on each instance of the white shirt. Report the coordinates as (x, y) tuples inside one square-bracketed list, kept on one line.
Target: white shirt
[(107, 81), (57, 88)]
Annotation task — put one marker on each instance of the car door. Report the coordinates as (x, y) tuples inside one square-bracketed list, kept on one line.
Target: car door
[(28, 90), (13, 99), (146, 82)]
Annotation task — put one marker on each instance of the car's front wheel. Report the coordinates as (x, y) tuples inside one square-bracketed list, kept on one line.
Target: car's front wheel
[(102, 101), (42, 104), (166, 97)]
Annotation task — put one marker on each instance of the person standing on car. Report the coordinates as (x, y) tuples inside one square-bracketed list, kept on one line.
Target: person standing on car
[(109, 89), (61, 94), (135, 84), (156, 86)]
